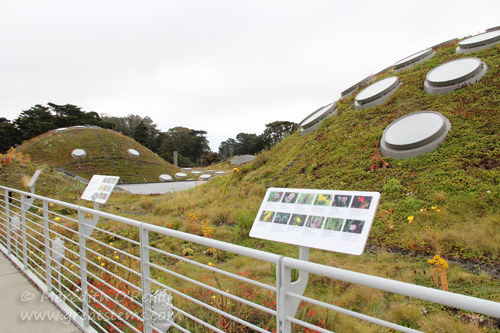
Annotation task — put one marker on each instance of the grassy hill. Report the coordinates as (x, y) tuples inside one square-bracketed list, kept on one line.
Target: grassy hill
[(442, 202), (452, 192), (106, 154)]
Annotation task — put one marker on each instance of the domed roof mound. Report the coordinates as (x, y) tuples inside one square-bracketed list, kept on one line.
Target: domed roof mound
[(88, 151)]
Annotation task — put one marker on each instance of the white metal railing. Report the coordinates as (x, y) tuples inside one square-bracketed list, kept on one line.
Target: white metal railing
[(111, 273)]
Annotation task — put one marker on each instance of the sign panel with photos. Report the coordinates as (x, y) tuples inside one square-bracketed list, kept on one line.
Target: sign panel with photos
[(100, 188), (338, 221)]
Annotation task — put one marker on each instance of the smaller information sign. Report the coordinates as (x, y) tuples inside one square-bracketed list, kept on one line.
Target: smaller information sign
[(338, 221), (100, 188)]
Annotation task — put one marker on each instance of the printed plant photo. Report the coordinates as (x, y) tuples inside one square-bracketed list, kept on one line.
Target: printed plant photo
[(298, 220), (267, 216), (333, 224), (315, 222), (282, 218), (342, 201), (323, 200), (275, 196), (361, 202), (290, 197), (305, 199), (354, 226)]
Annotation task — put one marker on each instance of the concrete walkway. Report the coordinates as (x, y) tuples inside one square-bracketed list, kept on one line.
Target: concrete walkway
[(23, 307)]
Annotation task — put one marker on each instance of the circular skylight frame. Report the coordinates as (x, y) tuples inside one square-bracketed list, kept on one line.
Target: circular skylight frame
[(440, 81), (165, 178), (205, 177), (422, 132), (78, 153), (317, 117), (196, 172), (180, 175), (376, 93), (61, 130), (133, 152), (187, 169), (414, 59), (479, 42)]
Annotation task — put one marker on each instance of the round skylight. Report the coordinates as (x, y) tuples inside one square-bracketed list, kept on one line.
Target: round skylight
[(453, 75), (414, 59), (78, 153), (210, 171), (219, 173), (187, 169), (376, 93), (314, 119), (79, 127), (479, 42), (60, 130), (205, 177), (133, 153), (414, 134), (196, 173), (165, 178), (180, 175)]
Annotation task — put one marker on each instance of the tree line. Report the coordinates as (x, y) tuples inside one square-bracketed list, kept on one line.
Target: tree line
[(191, 145)]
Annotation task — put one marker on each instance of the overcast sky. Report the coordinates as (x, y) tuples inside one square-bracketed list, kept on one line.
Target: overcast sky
[(225, 67)]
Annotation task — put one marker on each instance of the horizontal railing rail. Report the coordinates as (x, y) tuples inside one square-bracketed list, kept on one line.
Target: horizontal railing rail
[(112, 273)]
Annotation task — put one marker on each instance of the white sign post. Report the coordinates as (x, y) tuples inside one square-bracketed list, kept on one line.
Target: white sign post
[(338, 221), (98, 190)]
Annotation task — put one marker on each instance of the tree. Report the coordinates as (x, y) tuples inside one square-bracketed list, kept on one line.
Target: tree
[(248, 144), (35, 121), (128, 125), (277, 131), (227, 148), (141, 135), (9, 136), (189, 144)]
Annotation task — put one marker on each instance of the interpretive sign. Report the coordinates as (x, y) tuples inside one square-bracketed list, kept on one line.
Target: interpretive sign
[(100, 188), (337, 221)]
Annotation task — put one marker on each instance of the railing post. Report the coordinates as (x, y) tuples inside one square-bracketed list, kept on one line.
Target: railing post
[(83, 267), (46, 235), (145, 283), (283, 309), (279, 304), (7, 221), (23, 233)]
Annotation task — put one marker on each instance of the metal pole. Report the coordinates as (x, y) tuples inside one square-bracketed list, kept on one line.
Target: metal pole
[(145, 283), (46, 235), (23, 233), (7, 220), (83, 267)]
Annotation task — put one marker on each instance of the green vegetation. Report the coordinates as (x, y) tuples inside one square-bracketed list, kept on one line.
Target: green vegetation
[(106, 154), (445, 202)]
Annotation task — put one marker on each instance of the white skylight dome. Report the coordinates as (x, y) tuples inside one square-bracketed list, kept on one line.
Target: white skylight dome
[(453, 75), (376, 93), (413, 60), (312, 122), (133, 153), (165, 178), (479, 42), (414, 134), (180, 175), (78, 153)]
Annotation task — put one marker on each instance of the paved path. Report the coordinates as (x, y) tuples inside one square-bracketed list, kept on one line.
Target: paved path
[(19, 300)]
